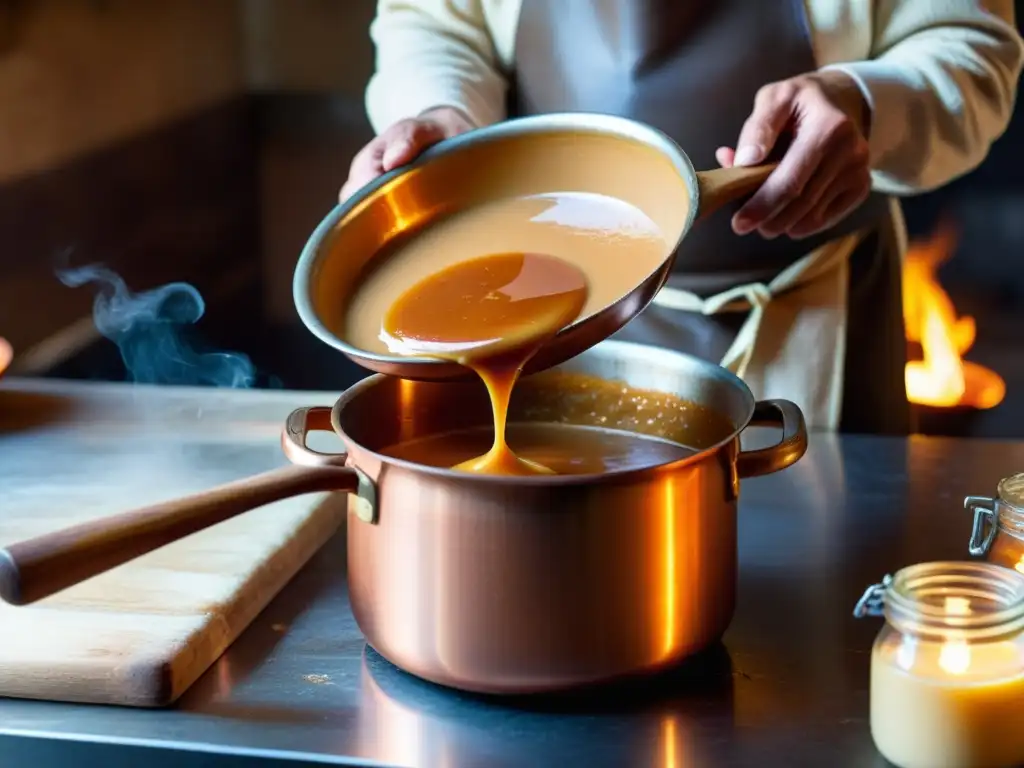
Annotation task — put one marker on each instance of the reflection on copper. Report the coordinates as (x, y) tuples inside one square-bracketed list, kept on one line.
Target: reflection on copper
[(446, 757), (821, 475), (406, 398), (408, 599), (446, 642), (670, 575), (670, 757), (225, 680), (406, 207), (676, 744), (394, 734)]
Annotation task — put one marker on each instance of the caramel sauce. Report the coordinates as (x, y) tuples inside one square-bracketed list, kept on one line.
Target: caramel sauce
[(490, 314), (564, 449), (1008, 551), (613, 242)]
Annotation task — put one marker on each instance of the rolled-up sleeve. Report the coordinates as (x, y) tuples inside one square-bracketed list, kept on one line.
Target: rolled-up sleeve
[(433, 53), (941, 84)]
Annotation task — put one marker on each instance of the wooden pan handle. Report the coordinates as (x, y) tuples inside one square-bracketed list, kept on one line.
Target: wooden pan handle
[(33, 569), (724, 185)]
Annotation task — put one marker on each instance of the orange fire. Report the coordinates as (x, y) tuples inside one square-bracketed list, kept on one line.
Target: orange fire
[(942, 378)]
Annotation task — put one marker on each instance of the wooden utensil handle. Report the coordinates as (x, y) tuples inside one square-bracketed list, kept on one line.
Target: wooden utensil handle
[(724, 185), (36, 568)]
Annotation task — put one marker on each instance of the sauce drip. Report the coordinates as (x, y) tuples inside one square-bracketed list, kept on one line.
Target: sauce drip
[(490, 314)]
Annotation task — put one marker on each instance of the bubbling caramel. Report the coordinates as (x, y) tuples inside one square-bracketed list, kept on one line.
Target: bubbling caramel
[(490, 314)]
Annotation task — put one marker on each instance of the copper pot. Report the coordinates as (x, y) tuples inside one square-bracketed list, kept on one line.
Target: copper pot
[(495, 584)]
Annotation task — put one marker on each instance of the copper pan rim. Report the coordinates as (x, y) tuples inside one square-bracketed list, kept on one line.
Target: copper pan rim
[(620, 348)]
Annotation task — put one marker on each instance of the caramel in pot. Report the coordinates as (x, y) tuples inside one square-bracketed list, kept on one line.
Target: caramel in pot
[(563, 449)]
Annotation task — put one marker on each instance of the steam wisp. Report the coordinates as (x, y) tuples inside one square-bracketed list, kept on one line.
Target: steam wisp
[(148, 327)]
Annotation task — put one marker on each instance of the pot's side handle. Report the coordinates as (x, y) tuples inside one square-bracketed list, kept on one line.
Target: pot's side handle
[(296, 430), (785, 453)]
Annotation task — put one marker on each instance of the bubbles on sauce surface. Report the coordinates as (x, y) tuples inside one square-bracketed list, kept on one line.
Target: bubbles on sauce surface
[(567, 397)]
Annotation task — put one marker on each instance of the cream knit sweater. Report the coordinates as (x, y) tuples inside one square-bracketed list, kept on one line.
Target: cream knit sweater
[(940, 75)]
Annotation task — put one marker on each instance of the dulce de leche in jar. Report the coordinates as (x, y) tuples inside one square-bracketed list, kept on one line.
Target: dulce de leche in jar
[(998, 530), (947, 668)]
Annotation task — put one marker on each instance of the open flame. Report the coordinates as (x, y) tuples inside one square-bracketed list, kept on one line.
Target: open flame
[(942, 378)]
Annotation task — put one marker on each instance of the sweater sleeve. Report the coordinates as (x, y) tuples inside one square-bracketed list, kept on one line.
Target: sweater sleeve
[(941, 86), (433, 53)]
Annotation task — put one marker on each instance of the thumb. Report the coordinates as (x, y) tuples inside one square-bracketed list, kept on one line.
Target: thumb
[(773, 108), (408, 139)]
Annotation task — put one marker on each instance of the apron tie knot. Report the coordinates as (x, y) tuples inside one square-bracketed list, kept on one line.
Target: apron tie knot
[(739, 299), (821, 273)]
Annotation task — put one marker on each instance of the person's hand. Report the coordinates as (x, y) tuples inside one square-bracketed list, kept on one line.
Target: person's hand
[(824, 173), (401, 143)]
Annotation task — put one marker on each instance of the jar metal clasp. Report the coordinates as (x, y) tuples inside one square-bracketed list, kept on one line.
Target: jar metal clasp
[(872, 602), (986, 524)]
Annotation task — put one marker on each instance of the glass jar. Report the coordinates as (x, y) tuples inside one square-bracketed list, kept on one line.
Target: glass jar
[(998, 530), (947, 669)]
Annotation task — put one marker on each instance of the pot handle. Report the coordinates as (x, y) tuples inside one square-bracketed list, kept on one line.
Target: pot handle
[(293, 441), (785, 453), (36, 568), (297, 427)]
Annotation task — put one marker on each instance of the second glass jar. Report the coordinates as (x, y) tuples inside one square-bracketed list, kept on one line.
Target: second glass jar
[(998, 531)]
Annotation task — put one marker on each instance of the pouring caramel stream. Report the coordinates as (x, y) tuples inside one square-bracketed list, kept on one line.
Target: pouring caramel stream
[(490, 314)]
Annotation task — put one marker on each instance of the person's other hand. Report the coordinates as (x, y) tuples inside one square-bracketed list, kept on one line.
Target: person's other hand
[(401, 143), (824, 173)]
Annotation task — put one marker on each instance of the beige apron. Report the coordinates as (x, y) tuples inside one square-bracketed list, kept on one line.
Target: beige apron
[(799, 313), (652, 60)]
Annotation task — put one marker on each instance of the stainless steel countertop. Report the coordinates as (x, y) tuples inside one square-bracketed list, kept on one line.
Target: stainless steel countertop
[(787, 687)]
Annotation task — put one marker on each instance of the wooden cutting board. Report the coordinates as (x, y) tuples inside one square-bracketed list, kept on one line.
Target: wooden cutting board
[(142, 633)]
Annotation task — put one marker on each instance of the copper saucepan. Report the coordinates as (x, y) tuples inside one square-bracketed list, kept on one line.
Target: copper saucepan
[(573, 152), (485, 583)]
